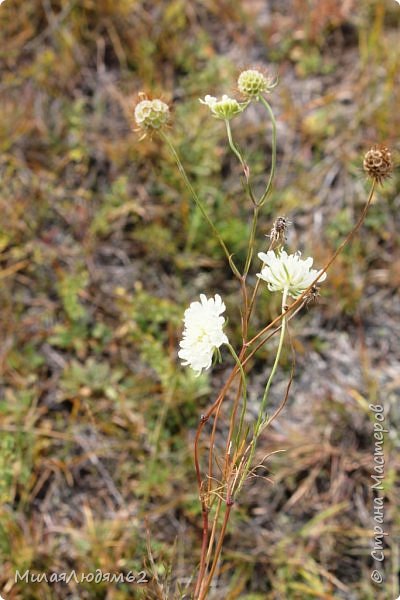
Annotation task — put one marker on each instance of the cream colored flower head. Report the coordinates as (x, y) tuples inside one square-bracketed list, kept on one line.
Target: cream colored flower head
[(226, 108), (203, 332), (287, 273), (151, 115)]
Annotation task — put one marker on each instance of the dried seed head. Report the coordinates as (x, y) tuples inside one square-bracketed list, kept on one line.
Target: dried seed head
[(252, 83), (151, 115), (378, 163), (279, 229)]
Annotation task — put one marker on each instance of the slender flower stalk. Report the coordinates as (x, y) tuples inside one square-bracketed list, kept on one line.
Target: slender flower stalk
[(199, 204), (268, 188), (261, 415), (250, 249), (242, 161), (236, 150)]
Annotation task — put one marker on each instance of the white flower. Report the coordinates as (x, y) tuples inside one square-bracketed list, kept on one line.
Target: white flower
[(287, 273), (226, 108), (203, 332), (151, 114)]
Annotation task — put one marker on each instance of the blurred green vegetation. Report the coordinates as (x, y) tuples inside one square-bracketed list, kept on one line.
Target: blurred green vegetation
[(101, 251)]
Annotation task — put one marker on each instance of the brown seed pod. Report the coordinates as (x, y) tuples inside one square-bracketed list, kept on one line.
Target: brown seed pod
[(378, 163)]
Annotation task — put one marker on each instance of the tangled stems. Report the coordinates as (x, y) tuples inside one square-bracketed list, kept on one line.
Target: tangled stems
[(214, 408), (244, 386), (246, 311), (234, 484)]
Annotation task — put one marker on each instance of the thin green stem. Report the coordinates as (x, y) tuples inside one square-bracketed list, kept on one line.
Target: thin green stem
[(234, 148), (261, 414), (199, 204), (275, 365), (255, 291), (250, 250), (240, 158), (273, 158)]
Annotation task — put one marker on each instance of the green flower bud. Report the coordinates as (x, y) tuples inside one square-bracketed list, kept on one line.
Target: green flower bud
[(252, 83), (226, 108)]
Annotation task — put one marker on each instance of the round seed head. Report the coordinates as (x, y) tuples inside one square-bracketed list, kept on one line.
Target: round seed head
[(252, 83), (151, 114), (378, 163), (279, 229)]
